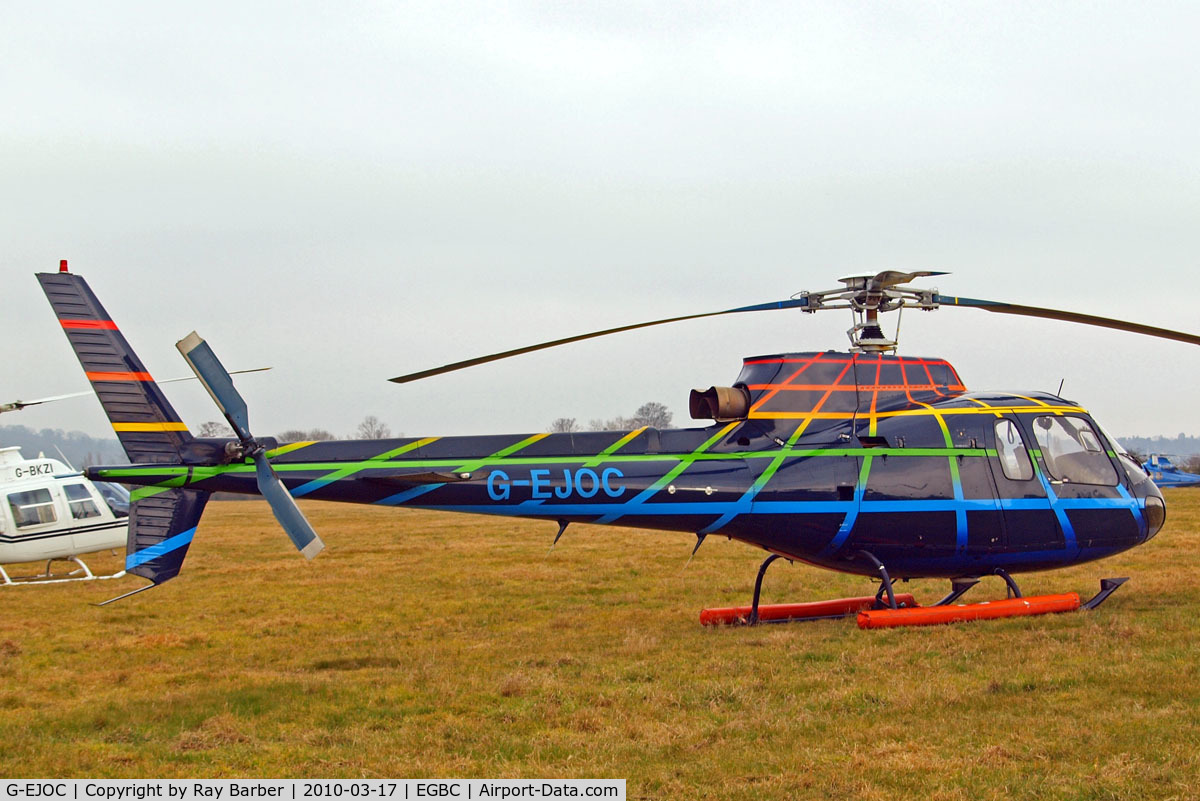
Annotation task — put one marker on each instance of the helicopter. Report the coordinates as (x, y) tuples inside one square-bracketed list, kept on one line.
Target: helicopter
[(52, 512), (860, 461), (1167, 474)]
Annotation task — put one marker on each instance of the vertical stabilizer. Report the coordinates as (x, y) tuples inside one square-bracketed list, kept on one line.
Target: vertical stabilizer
[(162, 521), (161, 528), (147, 426)]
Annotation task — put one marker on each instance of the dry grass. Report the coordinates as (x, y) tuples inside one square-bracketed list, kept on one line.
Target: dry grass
[(433, 645)]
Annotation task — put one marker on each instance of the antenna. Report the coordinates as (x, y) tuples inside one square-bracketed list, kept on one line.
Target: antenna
[(1060, 386), (66, 461)]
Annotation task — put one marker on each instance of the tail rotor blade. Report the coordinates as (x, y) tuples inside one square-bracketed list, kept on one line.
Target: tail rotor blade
[(286, 511), (216, 380)]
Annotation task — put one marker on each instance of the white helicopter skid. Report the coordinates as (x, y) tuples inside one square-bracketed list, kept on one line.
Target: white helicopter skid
[(81, 573)]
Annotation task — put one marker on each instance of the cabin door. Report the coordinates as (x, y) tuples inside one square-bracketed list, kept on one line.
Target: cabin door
[(1030, 523)]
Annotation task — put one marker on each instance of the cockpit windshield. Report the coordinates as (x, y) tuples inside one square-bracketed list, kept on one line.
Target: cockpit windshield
[(1072, 451), (1132, 466)]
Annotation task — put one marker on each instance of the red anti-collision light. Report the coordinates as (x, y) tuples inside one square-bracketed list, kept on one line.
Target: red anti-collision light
[(62, 265)]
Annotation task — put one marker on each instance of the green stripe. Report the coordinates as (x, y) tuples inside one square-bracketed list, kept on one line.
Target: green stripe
[(203, 472), (350, 468), (611, 449), (146, 492), (778, 458)]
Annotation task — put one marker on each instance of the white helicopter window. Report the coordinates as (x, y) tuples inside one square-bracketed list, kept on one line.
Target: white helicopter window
[(1072, 451), (80, 501), (116, 496), (32, 508), (1010, 447)]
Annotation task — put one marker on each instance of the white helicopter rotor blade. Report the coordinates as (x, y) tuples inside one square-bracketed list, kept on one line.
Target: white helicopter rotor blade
[(18, 405)]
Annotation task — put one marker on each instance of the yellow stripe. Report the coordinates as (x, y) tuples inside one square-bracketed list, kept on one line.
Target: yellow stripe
[(1045, 408), (616, 446), (119, 427), (1033, 400), (403, 449), (288, 448)]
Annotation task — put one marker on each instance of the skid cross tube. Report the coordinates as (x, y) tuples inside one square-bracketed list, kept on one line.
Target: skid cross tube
[(884, 577), (762, 571), (1013, 590)]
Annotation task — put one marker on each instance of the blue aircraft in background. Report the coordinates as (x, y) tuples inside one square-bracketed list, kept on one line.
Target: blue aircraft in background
[(1164, 473)]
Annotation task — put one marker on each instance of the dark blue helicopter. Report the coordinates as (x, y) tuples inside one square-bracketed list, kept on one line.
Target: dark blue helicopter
[(860, 461)]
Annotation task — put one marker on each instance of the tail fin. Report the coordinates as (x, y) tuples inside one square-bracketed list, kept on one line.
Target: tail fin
[(147, 426), (160, 531), (161, 521)]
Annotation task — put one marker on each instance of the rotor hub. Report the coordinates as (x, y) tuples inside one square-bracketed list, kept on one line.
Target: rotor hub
[(869, 295)]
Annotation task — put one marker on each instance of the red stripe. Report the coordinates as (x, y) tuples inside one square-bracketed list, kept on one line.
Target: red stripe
[(107, 324), (119, 377)]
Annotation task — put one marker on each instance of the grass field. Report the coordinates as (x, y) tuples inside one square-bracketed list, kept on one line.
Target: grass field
[(431, 645)]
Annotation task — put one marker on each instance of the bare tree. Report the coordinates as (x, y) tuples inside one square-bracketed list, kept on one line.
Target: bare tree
[(564, 425), (214, 429), (653, 414), (372, 427)]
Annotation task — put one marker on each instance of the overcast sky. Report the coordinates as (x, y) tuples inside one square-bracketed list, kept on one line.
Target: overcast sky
[(352, 191)]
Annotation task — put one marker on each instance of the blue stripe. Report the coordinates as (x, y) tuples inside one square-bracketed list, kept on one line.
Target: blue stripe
[(403, 497), (311, 486), (154, 551), (740, 507)]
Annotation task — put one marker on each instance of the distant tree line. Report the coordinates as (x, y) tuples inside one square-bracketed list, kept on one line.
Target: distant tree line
[(371, 427), (1182, 445), (80, 449), (652, 414)]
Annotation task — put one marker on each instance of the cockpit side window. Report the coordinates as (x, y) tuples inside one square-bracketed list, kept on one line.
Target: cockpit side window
[(1073, 452), (1010, 448), (32, 507)]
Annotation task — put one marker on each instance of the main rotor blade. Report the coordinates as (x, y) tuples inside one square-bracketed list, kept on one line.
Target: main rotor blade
[(1066, 316), (216, 380), (791, 303), (298, 529)]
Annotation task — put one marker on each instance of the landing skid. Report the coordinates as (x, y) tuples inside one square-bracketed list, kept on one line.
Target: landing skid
[(887, 608), (817, 610), (81, 572)]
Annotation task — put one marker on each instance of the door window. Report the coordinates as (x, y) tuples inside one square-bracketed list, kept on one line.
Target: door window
[(80, 501), (1010, 447)]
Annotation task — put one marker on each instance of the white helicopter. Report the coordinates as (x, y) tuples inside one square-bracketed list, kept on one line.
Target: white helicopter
[(51, 512)]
